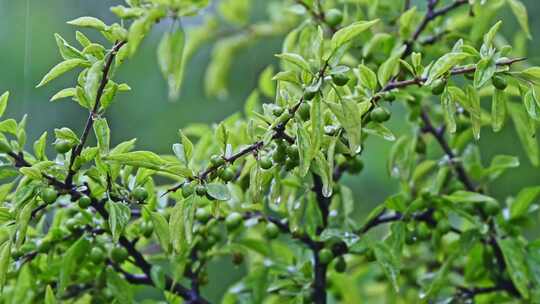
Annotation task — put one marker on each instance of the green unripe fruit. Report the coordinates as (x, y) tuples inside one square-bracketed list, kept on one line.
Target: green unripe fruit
[(200, 190), (237, 258), (340, 79), (499, 82), (227, 175), (217, 160), (140, 194), (49, 195), (147, 228), (325, 256), (423, 231), (62, 146), (410, 238), (389, 96), (187, 189), (333, 17), (45, 246), (84, 202), (304, 111), (443, 226), (437, 87), (340, 265), (290, 164), (203, 215), (97, 255), (271, 231), (215, 232), (380, 114), (309, 95), (355, 165), (4, 146), (233, 221), (292, 151), (438, 215), (370, 255), (491, 207), (265, 163), (277, 111), (72, 224), (420, 147), (119, 254), (279, 155)]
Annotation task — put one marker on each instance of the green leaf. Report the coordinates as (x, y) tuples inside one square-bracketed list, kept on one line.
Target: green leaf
[(181, 223), (468, 197), (218, 191), (520, 205), (103, 135), (389, 68), (158, 276), (90, 22), (93, 81), (324, 170), (406, 23), (60, 69), (66, 50), (449, 109), (350, 32), (50, 298), (3, 102), (514, 258), (526, 132), (378, 129), (119, 215), (9, 125), (266, 84), (499, 164), (66, 134), (532, 74), (529, 100), (367, 77), (120, 289), (70, 262), (304, 148), (5, 257), (388, 262), (64, 93), (472, 104), (498, 110), (520, 11), (490, 35), (485, 69), (445, 64), (144, 159), (252, 104), (296, 60), (161, 228), (170, 58)]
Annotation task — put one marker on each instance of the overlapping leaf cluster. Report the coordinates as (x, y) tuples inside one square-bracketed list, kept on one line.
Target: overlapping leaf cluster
[(93, 223)]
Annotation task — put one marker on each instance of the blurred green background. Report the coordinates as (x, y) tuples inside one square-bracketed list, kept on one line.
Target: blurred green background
[(28, 51)]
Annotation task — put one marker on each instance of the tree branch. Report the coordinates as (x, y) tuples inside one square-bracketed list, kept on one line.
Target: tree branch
[(430, 15), (91, 116)]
